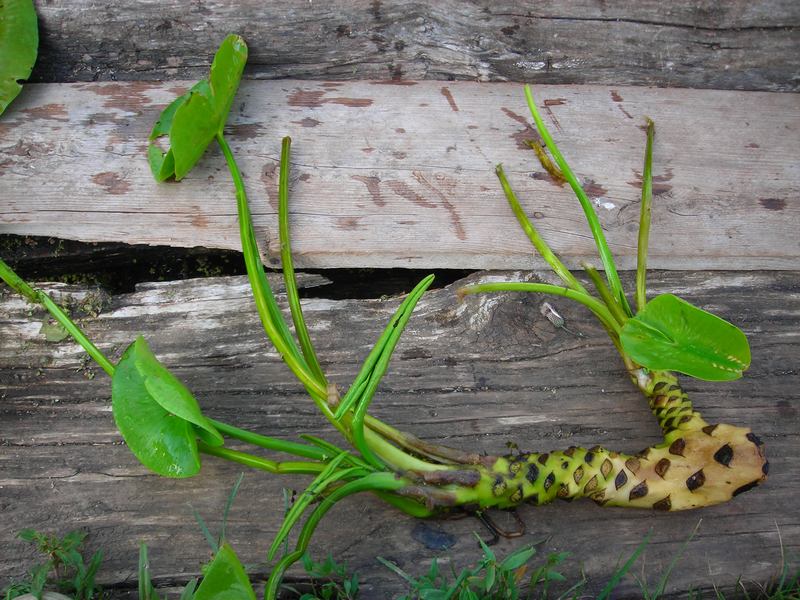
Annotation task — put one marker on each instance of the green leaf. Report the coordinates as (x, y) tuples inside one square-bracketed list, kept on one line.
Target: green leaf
[(517, 559), (19, 43), (193, 129), (188, 591), (171, 394), (225, 579), (226, 72), (162, 441), (195, 118), (671, 334)]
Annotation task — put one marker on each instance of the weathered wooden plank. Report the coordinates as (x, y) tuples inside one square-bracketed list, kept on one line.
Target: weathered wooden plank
[(388, 176), (723, 45), (472, 375)]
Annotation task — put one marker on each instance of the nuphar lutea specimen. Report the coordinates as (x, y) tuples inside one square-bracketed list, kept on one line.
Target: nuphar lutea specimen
[(698, 463)]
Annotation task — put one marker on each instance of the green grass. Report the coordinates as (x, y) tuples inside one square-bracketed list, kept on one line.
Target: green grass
[(525, 574)]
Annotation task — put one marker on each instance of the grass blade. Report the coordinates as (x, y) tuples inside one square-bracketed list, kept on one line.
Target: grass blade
[(206, 531), (397, 570), (644, 218), (146, 589), (662, 583), (621, 572), (591, 216), (228, 504), (288, 267)]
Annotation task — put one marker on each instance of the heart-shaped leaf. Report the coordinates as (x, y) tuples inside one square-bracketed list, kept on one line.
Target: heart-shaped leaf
[(171, 394), (194, 119), (19, 43), (156, 415), (672, 335), (225, 579)]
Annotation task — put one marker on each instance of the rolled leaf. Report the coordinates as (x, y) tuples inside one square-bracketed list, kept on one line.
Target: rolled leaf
[(226, 72), (671, 334), (19, 43), (194, 119)]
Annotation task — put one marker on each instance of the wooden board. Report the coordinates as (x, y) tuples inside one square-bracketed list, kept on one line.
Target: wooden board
[(472, 375), (402, 176), (724, 45)]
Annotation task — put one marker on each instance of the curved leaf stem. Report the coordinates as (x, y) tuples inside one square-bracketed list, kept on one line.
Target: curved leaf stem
[(644, 218), (441, 454), (371, 483), (396, 458), (37, 296), (593, 304), (334, 450), (605, 294), (591, 216), (288, 266), (533, 235), (269, 443), (263, 464)]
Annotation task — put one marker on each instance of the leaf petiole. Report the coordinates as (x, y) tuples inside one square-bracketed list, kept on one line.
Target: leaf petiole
[(593, 304), (644, 218), (374, 482), (288, 267), (605, 294), (257, 462), (39, 297), (269, 443), (533, 235), (268, 310), (586, 205)]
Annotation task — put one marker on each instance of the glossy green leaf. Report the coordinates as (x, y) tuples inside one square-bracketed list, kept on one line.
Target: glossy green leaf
[(672, 335), (162, 442), (193, 129), (19, 43), (226, 72), (162, 164), (194, 119), (171, 394), (225, 579)]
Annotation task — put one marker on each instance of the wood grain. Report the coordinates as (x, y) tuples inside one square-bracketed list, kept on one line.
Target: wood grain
[(723, 45), (472, 375), (402, 176)]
